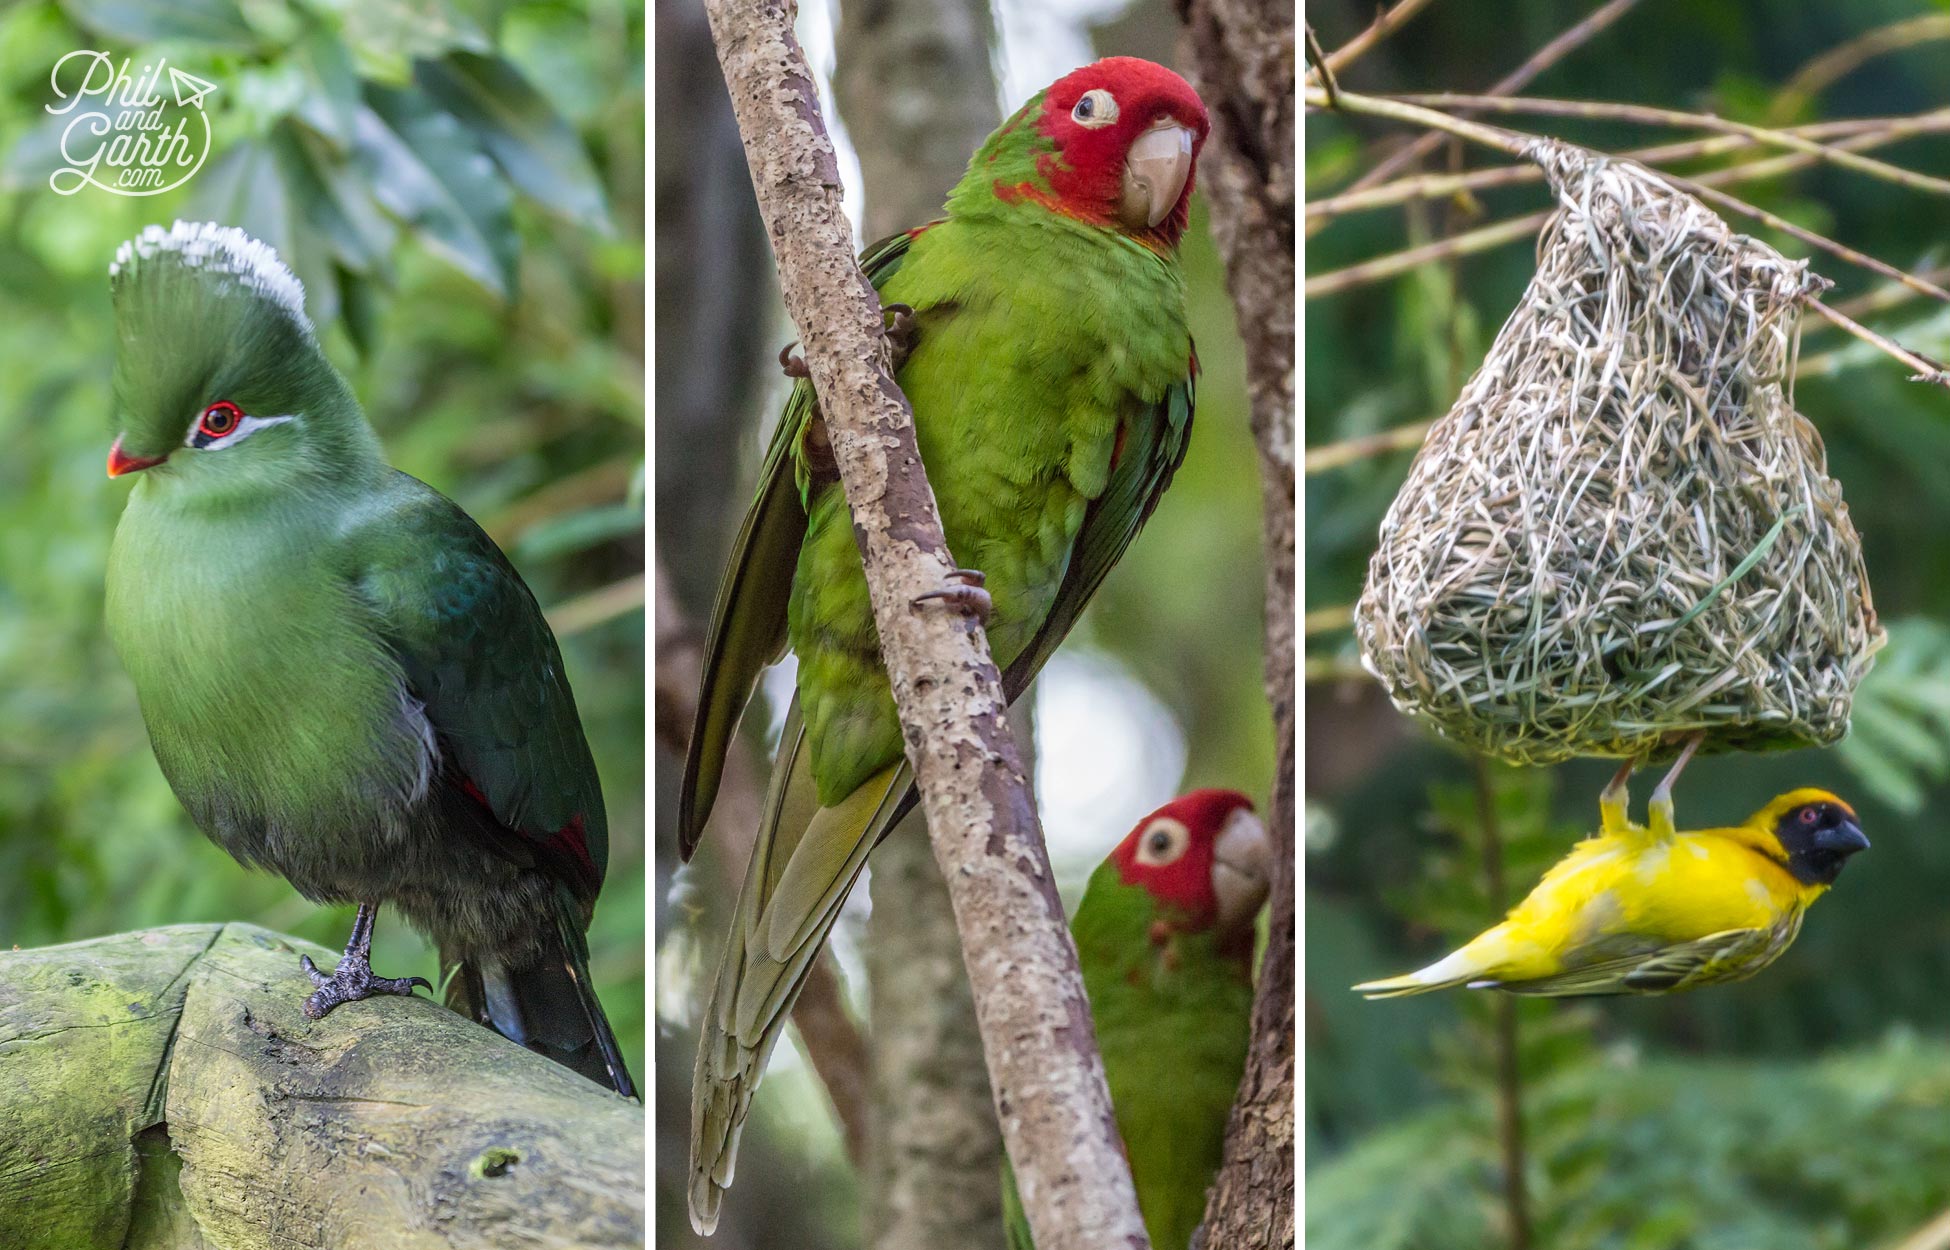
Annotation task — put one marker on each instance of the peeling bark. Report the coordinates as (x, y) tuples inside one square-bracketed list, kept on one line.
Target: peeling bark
[(163, 1090), (1243, 53), (1035, 1021), (915, 87)]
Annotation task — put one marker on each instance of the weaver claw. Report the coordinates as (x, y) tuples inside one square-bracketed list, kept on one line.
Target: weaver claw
[(965, 594)]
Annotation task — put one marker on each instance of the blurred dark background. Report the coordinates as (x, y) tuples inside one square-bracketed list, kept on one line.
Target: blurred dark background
[(460, 187), (1809, 1107)]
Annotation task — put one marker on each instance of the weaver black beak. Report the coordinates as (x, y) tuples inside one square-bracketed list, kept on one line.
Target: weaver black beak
[(1843, 840)]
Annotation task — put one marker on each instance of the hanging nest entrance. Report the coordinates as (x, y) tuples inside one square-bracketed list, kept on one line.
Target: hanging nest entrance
[(1623, 532)]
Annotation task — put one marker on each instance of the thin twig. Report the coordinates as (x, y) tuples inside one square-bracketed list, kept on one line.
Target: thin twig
[(1647, 115), (1468, 243), (1572, 38), (1823, 242), (1509, 1069), (1845, 58), (1884, 298), (1437, 186), (1348, 451), (596, 607), (1383, 26), (1406, 109), (1327, 620), (1927, 370)]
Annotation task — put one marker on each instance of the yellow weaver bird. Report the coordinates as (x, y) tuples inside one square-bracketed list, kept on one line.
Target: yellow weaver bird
[(1647, 909)]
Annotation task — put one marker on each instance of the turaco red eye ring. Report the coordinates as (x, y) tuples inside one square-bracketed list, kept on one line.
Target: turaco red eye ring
[(220, 419)]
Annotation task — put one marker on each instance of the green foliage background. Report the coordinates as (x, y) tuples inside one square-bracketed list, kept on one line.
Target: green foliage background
[(1809, 1107), (459, 186)]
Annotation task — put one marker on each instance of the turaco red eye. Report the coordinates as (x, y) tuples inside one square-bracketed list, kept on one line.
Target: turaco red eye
[(219, 419)]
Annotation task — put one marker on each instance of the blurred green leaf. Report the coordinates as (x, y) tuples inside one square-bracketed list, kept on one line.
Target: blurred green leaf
[(142, 21), (1899, 730), (534, 146), (430, 171)]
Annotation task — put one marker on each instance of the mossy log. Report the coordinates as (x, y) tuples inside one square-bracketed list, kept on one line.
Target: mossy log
[(163, 1090)]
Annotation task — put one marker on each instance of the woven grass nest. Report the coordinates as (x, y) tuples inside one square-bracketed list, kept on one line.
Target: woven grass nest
[(1623, 532)]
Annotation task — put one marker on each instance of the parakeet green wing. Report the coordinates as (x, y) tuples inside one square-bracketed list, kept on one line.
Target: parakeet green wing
[(1148, 455), (748, 622)]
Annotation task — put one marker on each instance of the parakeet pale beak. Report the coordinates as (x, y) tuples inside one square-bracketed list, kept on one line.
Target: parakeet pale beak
[(1155, 170), (1242, 868), (120, 462)]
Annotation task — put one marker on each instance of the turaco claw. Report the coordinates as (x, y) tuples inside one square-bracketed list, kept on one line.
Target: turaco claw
[(353, 980), (965, 593)]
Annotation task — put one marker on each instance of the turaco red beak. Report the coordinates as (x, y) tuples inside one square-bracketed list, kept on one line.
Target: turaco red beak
[(120, 462)]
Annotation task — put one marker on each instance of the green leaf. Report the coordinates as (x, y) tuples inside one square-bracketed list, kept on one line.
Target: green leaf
[(332, 106), (430, 172), (147, 21), (336, 204), (246, 188), (386, 36), (533, 144)]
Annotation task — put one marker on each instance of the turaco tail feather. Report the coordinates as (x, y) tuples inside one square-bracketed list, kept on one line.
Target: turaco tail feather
[(1164, 937), (343, 678), (1050, 369)]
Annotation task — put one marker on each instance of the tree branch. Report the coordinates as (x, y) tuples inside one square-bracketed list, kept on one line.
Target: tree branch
[(1243, 53), (164, 1088), (1029, 998), (916, 88)]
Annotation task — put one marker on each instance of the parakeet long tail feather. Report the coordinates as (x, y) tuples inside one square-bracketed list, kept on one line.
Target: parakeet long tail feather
[(794, 888)]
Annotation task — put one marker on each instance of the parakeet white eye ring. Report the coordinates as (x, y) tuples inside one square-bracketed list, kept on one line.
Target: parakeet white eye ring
[(219, 419), (1162, 843), (1094, 109)]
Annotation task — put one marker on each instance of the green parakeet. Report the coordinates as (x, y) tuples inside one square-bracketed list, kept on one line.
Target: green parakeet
[(1050, 370), (1165, 939), (343, 678)]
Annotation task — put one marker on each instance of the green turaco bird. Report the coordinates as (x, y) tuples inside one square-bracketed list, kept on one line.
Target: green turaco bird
[(343, 678), (1165, 939), (1050, 369)]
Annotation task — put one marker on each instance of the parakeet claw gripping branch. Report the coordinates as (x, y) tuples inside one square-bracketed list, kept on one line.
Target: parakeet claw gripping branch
[(343, 678), (1041, 339)]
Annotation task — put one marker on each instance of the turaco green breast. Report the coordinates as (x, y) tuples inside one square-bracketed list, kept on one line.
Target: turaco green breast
[(343, 678)]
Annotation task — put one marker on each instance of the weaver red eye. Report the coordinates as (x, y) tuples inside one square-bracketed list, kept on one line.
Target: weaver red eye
[(1808, 815), (220, 419)]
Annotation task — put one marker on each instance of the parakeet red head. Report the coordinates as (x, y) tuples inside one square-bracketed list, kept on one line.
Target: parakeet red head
[(1204, 856), (1113, 144)]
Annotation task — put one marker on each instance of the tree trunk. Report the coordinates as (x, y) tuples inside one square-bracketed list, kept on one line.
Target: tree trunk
[(163, 1090), (918, 96), (1243, 53), (1029, 999)]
